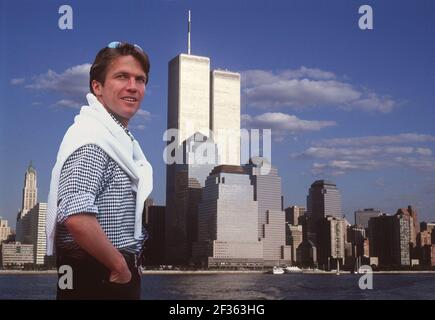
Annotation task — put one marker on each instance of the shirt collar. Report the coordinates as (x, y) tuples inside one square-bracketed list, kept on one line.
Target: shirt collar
[(130, 135)]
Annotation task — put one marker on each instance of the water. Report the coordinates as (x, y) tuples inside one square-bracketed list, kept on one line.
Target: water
[(244, 286)]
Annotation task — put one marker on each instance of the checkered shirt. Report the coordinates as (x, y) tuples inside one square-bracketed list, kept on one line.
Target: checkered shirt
[(92, 183)]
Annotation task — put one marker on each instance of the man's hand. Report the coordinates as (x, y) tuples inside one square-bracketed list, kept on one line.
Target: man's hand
[(88, 234), (122, 276)]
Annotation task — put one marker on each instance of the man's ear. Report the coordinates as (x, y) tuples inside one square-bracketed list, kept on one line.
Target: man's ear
[(97, 86)]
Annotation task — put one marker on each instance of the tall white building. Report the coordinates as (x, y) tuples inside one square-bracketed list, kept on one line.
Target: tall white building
[(30, 191), (189, 114), (225, 115), (5, 230), (189, 96), (32, 231), (198, 101)]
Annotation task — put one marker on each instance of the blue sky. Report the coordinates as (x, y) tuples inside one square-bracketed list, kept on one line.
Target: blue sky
[(352, 106)]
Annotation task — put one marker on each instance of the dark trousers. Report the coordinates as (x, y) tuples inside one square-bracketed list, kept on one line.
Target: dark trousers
[(90, 279)]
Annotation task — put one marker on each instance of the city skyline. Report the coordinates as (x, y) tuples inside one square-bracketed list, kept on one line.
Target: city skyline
[(348, 109)]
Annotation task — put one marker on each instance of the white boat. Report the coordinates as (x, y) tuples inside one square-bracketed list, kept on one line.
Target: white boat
[(277, 270), (293, 269)]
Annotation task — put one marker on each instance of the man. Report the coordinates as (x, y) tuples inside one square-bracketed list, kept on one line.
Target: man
[(100, 182)]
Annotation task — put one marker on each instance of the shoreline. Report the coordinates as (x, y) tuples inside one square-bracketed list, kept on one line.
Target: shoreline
[(216, 272)]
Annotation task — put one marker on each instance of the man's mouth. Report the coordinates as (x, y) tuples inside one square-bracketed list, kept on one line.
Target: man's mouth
[(129, 99)]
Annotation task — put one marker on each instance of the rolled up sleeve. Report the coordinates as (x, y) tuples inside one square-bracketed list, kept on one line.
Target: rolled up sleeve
[(81, 180)]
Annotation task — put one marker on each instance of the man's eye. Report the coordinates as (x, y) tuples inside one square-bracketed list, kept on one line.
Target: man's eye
[(141, 80), (121, 76)]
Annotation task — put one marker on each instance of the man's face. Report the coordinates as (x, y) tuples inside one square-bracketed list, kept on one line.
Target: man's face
[(123, 89)]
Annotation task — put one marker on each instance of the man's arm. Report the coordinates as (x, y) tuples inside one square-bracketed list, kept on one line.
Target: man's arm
[(87, 233)]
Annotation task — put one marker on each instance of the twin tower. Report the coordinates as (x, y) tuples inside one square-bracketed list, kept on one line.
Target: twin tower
[(204, 123), (203, 108)]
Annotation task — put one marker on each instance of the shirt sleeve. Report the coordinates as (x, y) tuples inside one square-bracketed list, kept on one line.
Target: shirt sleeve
[(81, 180)]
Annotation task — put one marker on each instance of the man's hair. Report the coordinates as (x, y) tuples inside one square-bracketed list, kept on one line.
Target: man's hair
[(107, 55)]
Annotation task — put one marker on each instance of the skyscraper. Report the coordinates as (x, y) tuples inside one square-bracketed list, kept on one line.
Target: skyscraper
[(293, 213), (271, 217), (189, 114), (198, 101), (362, 217), (30, 191), (228, 215), (389, 239), (331, 242), (411, 214), (225, 115), (32, 231), (31, 219), (155, 245), (323, 200)]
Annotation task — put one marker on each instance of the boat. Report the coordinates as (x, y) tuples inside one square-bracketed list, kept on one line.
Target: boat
[(293, 269), (277, 270)]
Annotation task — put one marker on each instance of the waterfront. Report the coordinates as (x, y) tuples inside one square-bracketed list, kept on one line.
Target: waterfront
[(249, 286)]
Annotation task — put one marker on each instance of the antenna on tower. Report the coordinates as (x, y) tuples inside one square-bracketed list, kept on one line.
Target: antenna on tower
[(188, 35)]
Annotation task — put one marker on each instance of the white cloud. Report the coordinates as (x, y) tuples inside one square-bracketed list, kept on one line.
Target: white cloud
[(340, 167), (373, 102), (349, 154), (377, 140), (138, 122), (424, 164), (137, 126), (282, 124), (68, 103), (424, 151), (361, 153), (306, 88), (143, 114), (73, 82), (16, 81), (260, 77)]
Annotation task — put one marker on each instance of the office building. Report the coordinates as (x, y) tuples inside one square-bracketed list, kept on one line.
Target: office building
[(228, 221), (363, 216), (389, 238), (204, 115), (32, 231), (331, 242), (293, 214), (225, 115), (5, 230), (294, 238), (155, 245), (16, 255), (271, 217), (324, 199)]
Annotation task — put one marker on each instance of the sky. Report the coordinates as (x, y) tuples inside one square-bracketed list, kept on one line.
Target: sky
[(344, 104)]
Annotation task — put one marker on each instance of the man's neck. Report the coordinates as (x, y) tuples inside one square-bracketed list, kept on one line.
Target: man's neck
[(122, 120)]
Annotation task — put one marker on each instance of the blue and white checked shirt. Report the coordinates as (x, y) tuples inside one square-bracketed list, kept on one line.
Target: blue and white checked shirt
[(91, 182)]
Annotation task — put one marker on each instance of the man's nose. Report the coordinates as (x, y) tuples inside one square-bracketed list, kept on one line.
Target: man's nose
[(132, 84)]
